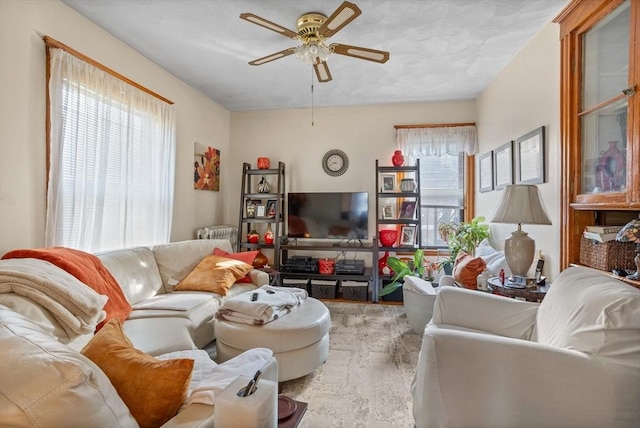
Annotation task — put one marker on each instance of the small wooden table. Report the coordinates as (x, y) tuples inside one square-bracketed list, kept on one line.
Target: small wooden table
[(529, 294)]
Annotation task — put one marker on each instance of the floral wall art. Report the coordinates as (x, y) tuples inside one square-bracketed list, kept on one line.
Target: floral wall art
[(206, 168)]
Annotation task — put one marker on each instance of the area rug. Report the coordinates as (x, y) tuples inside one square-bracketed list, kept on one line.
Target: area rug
[(367, 378)]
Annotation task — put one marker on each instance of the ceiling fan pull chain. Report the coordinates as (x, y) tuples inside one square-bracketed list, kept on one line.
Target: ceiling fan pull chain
[(312, 99)]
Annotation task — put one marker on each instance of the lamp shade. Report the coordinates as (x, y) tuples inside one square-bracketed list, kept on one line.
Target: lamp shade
[(521, 204)]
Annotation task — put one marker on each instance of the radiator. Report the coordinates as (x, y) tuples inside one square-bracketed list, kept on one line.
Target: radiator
[(223, 231)]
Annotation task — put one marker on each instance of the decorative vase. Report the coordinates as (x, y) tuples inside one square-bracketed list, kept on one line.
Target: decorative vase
[(408, 185), (268, 236), (383, 267), (264, 186), (398, 158), (388, 237), (260, 261), (263, 163), (253, 237)]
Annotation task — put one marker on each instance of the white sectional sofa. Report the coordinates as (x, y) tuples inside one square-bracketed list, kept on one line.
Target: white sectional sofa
[(39, 359)]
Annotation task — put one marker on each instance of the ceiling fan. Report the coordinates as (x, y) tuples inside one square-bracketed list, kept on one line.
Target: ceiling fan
[(313, 31)]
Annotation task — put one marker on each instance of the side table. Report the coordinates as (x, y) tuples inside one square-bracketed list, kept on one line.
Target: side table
[(529, 294)]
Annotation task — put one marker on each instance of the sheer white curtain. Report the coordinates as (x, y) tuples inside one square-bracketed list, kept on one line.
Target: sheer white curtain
[(112, 160), (437, 141)]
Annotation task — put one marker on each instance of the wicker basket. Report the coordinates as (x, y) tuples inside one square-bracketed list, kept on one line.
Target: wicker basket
[(355, 290), (324, 290), (608, 255)]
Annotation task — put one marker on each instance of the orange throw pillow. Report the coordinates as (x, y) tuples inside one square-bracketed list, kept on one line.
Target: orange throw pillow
[(467, 268), (152, 389), (214, 274), (245, 256)]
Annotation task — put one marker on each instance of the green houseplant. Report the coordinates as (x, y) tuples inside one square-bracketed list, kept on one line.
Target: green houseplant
[(402, 269), (463, 236)]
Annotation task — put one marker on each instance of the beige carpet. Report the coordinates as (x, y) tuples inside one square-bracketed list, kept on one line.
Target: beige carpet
[(367, 378)]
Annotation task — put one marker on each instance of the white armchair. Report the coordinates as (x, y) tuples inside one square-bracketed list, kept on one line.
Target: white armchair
[(571, 361)]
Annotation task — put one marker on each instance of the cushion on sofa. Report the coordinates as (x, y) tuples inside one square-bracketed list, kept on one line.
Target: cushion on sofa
[(43, 382), (467, 268), (495, 259), (214, 274), (153, 390), (244, 256), (592, 313), (177, 259)]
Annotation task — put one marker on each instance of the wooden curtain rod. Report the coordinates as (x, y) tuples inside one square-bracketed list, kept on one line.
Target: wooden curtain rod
[(49, 42), (441, 125)]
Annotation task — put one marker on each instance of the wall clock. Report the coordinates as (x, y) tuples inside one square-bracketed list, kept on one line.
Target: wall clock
[(335, 162)]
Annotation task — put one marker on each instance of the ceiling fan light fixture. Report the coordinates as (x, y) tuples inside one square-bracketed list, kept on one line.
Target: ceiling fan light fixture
[(313, 53)]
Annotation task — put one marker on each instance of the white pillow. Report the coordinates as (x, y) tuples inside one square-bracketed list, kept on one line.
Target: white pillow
[(495, 259)]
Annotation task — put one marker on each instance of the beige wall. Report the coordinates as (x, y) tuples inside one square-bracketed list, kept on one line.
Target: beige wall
[(22, 118), (526, 95)]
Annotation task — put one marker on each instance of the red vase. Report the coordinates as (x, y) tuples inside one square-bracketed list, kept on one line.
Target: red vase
[(253, 237), (398, 158), (383, 268), (268, 236)]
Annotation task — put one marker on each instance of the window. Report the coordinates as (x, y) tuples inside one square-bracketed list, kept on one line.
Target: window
[(112, 155), (442, 151)]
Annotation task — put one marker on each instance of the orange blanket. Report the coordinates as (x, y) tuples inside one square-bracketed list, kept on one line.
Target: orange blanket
[(89, 270)]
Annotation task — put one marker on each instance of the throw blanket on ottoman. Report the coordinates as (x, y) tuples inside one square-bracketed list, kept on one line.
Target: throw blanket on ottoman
[(269, 304), (89, 270)]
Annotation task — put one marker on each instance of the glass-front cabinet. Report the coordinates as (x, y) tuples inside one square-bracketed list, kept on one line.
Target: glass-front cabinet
[(600, 117)]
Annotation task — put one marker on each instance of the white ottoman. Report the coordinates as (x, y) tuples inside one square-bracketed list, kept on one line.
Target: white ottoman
[(299, 340)]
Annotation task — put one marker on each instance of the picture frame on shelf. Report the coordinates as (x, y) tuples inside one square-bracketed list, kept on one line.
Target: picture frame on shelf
[(250, 208), (503, 166), (270, 211), (388, 212), (388, 183), (260, 210), (407, 209), (485, 172), (407, 236), (530, 156)]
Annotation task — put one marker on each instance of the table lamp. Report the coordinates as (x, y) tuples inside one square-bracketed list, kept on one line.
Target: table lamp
[(520, 204), (631, 233)]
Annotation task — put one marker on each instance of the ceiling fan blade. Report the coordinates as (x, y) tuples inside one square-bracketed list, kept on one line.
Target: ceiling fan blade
[(360, 53), (273, 57), (255, 19), (322, 71), (344, 14)]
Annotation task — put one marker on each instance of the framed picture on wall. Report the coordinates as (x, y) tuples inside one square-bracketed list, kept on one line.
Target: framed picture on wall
[(530, 157), (485, 172), (503, 166)]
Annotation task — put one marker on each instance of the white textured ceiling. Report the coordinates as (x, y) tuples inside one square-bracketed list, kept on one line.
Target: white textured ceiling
[(439, 49)]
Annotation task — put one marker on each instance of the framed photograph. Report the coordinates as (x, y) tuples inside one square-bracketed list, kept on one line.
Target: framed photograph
[(503, 166), (388, 183), (271, 209), (530, 157), (485, 172), (388, 212), (407, 209), (250, 208), (407, 236), (260, 210)]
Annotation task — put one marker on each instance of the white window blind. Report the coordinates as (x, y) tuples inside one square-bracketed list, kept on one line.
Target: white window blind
[(112, 156), (442, 152)]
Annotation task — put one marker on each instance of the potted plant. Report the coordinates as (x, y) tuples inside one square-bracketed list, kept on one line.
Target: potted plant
[(463, 237), (401, 269)]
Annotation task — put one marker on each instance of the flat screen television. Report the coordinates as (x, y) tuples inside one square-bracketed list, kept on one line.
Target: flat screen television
[(328, 215)]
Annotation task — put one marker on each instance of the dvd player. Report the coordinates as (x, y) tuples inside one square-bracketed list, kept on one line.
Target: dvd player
[(355, 267)]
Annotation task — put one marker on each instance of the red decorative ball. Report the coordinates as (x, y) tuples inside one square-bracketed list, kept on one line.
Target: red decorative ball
[(263, 163)]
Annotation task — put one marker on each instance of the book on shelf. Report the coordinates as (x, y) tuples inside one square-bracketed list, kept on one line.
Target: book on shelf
[(603, 229), (600, 237)]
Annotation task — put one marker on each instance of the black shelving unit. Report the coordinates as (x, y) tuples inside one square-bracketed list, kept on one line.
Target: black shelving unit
[(250, 179), (395, 198)]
